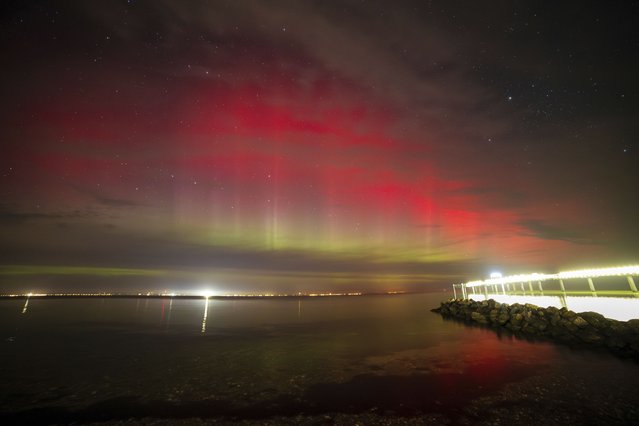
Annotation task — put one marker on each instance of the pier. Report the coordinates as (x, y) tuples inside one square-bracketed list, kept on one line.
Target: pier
[(581, 290), (540, 284)]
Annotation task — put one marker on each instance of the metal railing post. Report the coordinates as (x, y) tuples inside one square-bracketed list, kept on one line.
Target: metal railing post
[(592, 287), (561, 285)]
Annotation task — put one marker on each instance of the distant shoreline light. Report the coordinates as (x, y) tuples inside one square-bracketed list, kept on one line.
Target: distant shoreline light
[(200, 294)]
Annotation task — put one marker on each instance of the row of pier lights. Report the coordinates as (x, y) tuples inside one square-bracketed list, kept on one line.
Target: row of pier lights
[(523, 284)]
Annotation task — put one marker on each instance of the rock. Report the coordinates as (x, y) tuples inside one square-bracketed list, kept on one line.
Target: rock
[(634, 345), (633, 325), (477, 317), (503, 317), (612, 328), (552, 310), (516, 319), (615, 342), (590, 337), (580, 322), (594, 319), (538, 324), (567, 325), (588, 328)]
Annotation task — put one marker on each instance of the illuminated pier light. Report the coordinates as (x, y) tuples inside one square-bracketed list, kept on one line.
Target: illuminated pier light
[(491, 284)]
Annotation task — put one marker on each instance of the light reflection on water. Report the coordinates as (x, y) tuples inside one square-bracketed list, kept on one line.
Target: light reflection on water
[(206, 311), (619, 308), (26, 305)]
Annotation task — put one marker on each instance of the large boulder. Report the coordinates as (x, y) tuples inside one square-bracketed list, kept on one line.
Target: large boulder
[(479, 318), (590, 336), (503, 317), (538, 324), (580, 322), (633, 326), (615, 342), (594, 319)]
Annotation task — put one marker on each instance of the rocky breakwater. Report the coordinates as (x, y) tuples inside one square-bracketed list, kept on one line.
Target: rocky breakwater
[(585, 328)]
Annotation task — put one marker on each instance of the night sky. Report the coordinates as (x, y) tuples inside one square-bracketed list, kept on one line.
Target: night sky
[(285, 146)]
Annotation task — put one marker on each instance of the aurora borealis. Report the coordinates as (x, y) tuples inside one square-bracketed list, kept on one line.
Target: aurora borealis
[(294, 146)]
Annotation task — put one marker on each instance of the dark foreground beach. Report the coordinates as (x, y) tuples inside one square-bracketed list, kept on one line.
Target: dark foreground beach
[(366, 360)]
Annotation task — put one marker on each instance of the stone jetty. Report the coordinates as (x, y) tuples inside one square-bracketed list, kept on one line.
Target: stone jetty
[(585, 328)]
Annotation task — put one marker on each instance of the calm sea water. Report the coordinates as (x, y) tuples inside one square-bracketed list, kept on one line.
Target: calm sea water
[(371, 358)]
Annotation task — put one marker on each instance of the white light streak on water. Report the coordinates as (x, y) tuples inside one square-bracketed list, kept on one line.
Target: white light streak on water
[(206, 311)]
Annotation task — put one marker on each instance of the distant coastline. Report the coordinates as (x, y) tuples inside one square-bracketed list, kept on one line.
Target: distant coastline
[(197, 296)]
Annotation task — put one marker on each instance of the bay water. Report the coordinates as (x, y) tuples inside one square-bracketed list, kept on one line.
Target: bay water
[(369, 359)]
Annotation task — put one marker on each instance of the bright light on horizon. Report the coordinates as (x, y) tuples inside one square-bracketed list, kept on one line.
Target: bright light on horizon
[(496, 274), (206, 293)]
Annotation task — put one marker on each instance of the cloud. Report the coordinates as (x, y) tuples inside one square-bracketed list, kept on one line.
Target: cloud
[(9, 218), (14, 216), (546, 231), (107, 200)]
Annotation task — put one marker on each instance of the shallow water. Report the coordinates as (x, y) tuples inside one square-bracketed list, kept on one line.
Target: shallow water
[(371, 358)]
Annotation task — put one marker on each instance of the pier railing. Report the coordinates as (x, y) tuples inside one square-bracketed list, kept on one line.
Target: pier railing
[(539, 284)]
